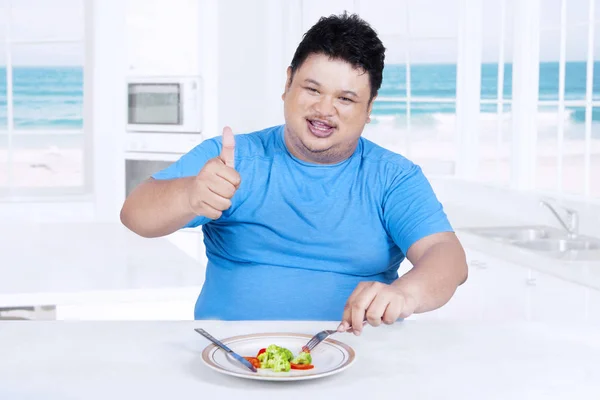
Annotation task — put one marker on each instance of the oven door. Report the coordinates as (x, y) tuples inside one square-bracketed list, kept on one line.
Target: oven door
[(157, 105), (164, 104), (140, 166)]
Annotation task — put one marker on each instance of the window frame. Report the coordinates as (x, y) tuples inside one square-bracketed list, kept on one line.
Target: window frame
[(10, 193), (406, 39), (588, 103)]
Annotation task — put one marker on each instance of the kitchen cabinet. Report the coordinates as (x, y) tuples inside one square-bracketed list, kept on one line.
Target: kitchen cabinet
[(152, 26), (503, 290), (498, 290), (554, 299), (592, 309), (495, 290)]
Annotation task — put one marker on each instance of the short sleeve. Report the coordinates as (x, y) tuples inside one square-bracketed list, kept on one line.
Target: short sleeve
[(189, 165), (411, 209)]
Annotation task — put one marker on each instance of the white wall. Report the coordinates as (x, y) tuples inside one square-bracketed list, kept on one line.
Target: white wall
[(109, 107), (163, 37), (251, 65), (208, 54)]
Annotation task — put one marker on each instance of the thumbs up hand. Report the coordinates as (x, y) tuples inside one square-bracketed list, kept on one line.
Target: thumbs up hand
[(228, 149), (211, 191)]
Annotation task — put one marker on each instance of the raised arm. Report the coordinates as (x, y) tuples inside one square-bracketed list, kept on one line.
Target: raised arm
[(158, 207)]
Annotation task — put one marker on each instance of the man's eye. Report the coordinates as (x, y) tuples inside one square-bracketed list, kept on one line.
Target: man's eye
[(346, 99)]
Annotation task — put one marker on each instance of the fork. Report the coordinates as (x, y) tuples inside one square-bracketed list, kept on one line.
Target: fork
[(319, 337)]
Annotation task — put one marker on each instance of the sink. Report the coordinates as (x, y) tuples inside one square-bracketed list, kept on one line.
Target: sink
[(544, 240), (559, 244), (518, 233), (578, 249)]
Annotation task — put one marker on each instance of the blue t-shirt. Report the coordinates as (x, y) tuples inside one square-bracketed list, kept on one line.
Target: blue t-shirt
[(299, 237)]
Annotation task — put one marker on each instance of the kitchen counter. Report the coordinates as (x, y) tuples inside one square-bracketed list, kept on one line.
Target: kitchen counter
[(409, 360), (71, 263), (585, 273)]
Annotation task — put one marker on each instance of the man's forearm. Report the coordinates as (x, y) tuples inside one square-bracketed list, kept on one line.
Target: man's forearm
[(157, 207), (435, 276)]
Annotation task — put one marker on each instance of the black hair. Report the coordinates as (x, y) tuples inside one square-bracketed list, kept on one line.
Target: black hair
[(344, 37)]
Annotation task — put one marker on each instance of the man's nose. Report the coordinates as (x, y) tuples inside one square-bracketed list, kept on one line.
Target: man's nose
[(325, 106)]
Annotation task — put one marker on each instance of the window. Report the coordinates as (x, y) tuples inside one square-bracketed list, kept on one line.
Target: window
[(415, 112), (42, 140), (425, 95), (3, 101), (568, 146), (495, 133)]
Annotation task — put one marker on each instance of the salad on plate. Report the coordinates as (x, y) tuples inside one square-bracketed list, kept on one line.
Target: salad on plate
[(280, 359)]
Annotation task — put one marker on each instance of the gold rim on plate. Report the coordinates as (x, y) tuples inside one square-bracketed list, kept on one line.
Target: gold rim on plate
[(211, 349)]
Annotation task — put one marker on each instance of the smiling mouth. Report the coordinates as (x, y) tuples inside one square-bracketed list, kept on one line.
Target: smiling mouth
[(319, 128)]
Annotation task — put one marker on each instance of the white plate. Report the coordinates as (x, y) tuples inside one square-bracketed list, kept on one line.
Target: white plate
[(329, 358)]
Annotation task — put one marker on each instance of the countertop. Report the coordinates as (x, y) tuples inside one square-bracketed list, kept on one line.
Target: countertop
[(409, 360), (54, 263)]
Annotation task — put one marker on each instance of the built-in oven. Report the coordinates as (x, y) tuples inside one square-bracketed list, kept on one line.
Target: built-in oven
[(164, 121), (140, 166), (169, 104)]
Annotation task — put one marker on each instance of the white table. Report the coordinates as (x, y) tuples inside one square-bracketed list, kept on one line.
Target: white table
[(410, 360), (49, 264)]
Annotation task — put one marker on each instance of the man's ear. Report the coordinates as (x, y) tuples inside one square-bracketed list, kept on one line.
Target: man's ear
[(370, 108), (288, 82)]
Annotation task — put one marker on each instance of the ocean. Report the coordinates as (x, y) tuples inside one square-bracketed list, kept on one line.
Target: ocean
[(439, 81), (52, 97), (44, 98)]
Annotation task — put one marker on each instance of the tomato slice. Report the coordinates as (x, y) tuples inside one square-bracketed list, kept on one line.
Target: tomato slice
[(301, 366), (260, 352), (254, 361)]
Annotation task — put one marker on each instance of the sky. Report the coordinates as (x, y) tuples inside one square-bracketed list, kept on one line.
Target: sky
[(433, 22)]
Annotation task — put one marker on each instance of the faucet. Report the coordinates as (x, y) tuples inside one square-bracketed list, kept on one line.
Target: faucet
[(572, 227)]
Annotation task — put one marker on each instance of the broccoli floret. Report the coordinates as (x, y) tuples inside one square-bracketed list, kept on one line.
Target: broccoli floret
[(281, 364), (273, 349), (302, 358), (262, 358), (286, 353), (276, 358)]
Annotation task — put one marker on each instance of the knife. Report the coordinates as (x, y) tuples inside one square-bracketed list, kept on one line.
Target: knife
[(241, 359)]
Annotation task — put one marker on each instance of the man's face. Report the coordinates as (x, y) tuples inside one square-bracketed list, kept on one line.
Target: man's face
[(326, 107)]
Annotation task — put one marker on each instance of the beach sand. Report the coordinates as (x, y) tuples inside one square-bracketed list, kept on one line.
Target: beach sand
[(50, 167)]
